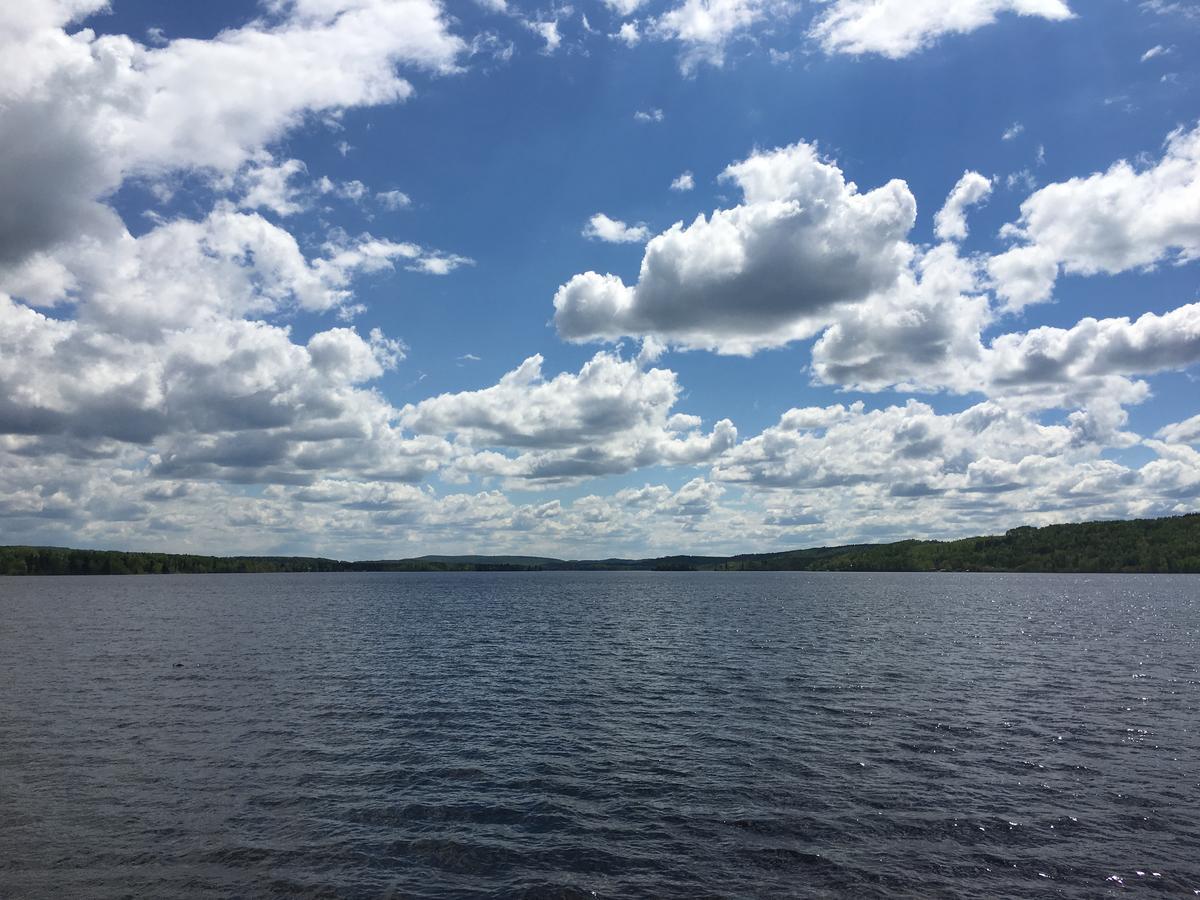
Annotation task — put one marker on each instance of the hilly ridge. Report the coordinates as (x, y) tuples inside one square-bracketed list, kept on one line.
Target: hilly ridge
[(1167, 545)]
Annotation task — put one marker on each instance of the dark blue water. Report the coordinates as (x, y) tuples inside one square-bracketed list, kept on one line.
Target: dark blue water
[(607, 735)]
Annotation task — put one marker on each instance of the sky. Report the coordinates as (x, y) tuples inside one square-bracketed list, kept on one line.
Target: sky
[(380, 278)]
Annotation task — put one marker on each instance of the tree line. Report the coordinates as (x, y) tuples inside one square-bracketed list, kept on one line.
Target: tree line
[(1170, 545)]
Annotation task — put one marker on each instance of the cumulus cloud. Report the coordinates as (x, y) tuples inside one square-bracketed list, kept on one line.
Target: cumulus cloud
[(762, 274), (628, 34), (1185, 432), (922, 333), (268, 185), (705, 28), (393, 200), (1097, 349), (613, 231), (170, 354), (897, 469), (1127, 217), (685, 182), (547, 30), (648, 115), (951, 221), (899, 28), (927, 335), (624, 7), (80, 113), (613, 416)]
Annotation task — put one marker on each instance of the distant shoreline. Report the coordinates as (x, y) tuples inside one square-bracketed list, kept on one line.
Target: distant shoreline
[(1141, 546)]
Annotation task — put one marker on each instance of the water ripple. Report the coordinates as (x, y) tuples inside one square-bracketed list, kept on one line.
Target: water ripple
[(577, 735)]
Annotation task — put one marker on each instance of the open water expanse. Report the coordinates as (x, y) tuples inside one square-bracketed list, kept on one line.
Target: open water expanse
[(607, 735)]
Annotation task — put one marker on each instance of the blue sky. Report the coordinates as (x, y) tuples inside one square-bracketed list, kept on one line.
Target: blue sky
[(272, 272)]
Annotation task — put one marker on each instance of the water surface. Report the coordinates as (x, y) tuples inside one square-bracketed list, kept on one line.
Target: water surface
[(607, 735)]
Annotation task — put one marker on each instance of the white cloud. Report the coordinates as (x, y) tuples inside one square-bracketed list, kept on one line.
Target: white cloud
[(393, 200), (613, 231), (899, 28), (547, 29), (705, 27), (439, 263), (1013, 132), (905, 469), (268, 185), (648, 115), (1124, 218), (628, 34), (624, 7), (353, 190), (1156, 51), (80, 113), (614, 416), (761, 274), (684, 182), (1098, 349), (927, 335), (1185, 432), (1171, 8), (1022, 180), (951, 221), (172, 362), (922, 333)]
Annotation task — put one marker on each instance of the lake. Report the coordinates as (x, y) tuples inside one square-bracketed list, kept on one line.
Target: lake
[(600, 735)]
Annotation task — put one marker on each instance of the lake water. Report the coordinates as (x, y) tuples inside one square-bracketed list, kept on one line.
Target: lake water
[(607, 735)]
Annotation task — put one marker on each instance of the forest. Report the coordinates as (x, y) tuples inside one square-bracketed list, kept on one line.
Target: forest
[(1168, 545)]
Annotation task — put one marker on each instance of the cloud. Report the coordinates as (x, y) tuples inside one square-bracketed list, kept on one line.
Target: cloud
[(1124, 218), (684, 182), (624, 7), (648, 115), (1156, 51), (268, 185), (951, 221), (1098, 348), (628, 34), (353, 190), (613, 416), (905, 468), (921, 333), (927, 335), (899, 28), (1170, 8), (1185, 432), (547, 29), (439, 263), (613, 231), (761, 274), (393, 200), (705, 27), (845, 446), (80, 113)]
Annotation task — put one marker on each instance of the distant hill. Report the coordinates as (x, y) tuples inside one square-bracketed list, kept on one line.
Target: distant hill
[(529, 562), (1170, 545)]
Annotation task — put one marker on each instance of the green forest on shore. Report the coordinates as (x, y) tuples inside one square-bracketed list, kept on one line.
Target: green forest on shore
[(1168, 545)]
